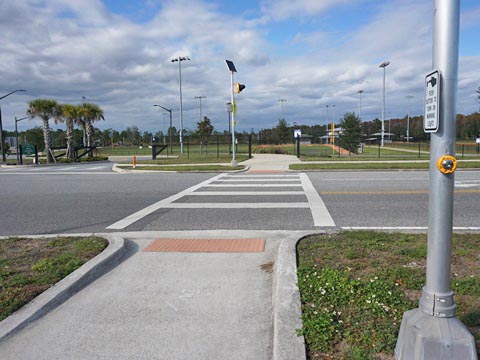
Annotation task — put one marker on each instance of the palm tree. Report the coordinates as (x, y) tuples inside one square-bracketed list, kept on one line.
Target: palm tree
[(90, 113), (44, 109), (69, 114)]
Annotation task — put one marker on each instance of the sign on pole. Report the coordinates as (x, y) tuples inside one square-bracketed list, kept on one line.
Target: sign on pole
[(432, 102), (297, 133)]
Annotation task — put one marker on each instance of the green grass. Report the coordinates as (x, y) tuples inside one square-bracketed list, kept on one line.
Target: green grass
[(30, 266), (205, 168), (375, 166), (193, 159), (355, 287)]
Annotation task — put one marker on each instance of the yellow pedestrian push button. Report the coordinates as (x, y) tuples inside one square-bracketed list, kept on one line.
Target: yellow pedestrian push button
[(447, 164)]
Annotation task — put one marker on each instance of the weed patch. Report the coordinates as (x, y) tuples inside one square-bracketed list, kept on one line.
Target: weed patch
[(355, 287)]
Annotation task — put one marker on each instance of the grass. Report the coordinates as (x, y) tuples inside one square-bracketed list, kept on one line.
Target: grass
[(30, 266), (355, 287), (193, 159), (375, 166), (205, 168)]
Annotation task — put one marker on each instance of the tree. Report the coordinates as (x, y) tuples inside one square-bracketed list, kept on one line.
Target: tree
[(44, 109), (282, 131), (90, 113), (204, 130), (351, 135), (69, 114)]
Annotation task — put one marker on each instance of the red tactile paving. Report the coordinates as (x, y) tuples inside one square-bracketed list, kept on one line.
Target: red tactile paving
[(207, 245)]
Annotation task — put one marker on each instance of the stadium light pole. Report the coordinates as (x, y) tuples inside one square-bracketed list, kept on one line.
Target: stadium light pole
[(200, 98), (383, 65), (4, 158), (282, 101), (360, 92), (179, 60)]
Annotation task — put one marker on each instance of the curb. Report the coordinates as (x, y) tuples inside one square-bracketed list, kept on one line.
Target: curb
[(118, 169), (287, 313), (65, 288)]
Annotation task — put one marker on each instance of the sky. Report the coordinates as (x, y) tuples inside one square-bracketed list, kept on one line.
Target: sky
[(311, 53)]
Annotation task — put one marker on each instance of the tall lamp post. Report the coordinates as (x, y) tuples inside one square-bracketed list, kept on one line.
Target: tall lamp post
[(408, 117), (360, 92), (170, 130), (179, 60), (383, 65), (200, 98), (16, 135), (283, 101), (4, 158)]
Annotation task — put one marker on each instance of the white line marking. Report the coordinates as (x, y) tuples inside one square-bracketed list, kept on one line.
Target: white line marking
[(129, 220), (258, 180), (253, 185), (259, 205), (95, 167), (455, 228), (53, 173), (250, 193), (320, 214), (263, 176)]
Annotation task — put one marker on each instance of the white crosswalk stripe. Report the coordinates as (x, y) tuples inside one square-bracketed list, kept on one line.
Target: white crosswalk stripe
[(258, 185)]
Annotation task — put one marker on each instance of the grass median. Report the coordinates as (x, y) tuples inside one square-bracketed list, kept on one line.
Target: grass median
[(29, 266), (375, 165), (181, 168), (355, 287)]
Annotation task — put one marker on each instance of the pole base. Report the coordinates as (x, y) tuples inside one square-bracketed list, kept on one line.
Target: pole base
[(234, 163), (425, 337)]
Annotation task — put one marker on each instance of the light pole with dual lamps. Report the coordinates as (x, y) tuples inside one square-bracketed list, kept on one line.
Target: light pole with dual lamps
[(4, 158), (179, 60)]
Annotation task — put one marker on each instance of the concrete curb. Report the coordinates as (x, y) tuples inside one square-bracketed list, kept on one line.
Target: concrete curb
[(64, 289), (287, 313), (118, 169)]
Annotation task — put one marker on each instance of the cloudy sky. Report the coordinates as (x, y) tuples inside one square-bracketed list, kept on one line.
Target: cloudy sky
[(312, 53)]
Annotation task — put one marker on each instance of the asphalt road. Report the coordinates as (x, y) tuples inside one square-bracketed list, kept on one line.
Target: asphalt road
[(76, 199)]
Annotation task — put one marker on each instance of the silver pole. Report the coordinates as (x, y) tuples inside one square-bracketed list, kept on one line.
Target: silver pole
[(181, 105), (234, 160), (408, 118), (383, 106), (432, 331), (360, 92)]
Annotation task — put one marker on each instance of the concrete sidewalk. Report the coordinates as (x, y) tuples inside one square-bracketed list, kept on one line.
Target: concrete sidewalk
[(164, 305)]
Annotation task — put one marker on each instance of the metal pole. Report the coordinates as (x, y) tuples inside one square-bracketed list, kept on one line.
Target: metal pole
[(181, 105), (360, 92), (282, 101), (383, 65), (433, 330), (408, 118), (234, 160), (16, 139), (4, 158)]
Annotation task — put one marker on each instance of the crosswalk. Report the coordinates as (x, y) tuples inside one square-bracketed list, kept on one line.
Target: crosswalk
[(245, 191)]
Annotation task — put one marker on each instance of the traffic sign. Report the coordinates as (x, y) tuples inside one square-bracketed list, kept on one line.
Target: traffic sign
[(432, 102), (28, 149), (297, 133)]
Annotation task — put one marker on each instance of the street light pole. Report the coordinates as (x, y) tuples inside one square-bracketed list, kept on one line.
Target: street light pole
[(170, 135), (200, 98), (4, 158), (180, 59), (16, 136), (383, 65), (408, 117)]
